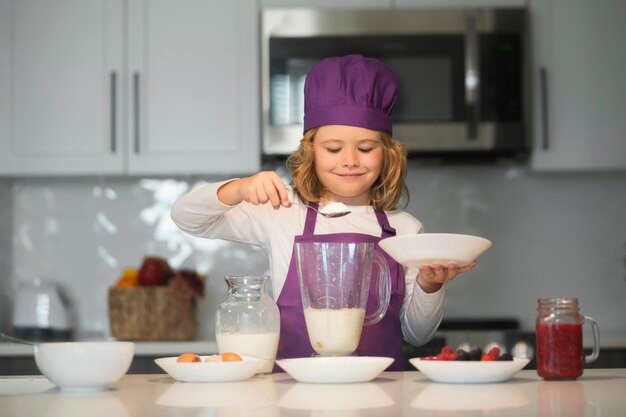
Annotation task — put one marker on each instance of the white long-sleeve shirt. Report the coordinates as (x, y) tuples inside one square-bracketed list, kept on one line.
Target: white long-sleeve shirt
[(200, 213)]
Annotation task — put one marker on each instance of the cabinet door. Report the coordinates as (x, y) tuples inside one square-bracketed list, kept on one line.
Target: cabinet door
[(331, 4), (193, 92), (459, 3), (579, 89), (60, 66)]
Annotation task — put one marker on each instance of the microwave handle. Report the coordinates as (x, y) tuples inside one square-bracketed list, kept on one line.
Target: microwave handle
[(472, 78)]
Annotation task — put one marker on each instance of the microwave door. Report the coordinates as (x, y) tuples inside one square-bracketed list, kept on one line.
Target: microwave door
[(461, 73), (472, 78)]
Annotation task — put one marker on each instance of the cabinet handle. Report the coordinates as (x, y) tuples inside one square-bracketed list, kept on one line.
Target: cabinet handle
[(545, 127), (472, 78), (136, 109), (113, 110)]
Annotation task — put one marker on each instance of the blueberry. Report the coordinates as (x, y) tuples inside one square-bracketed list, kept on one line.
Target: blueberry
[(505, 357), (462, 355), (476, 354)]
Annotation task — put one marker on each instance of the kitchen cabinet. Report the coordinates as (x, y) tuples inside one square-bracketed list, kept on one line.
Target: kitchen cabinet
[(25, 365), (60, 67), (330, 4), (129, 87), (383, 4), (579, 97), (459, 3)]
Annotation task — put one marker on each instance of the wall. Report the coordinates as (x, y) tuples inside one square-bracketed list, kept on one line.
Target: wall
[(553, 234)]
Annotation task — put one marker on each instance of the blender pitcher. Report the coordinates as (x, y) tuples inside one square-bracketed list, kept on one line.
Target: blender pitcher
[(334, 282)]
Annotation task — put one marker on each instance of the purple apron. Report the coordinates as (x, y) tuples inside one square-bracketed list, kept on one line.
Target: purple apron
[(381, 339)]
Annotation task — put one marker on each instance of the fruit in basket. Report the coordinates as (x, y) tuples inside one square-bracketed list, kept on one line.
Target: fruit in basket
[(129, 279), (192, 279), (154, 271)]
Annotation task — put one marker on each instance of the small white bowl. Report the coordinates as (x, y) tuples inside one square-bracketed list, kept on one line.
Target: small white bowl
[(469, 372), (434, 248), (335, 369), (84, 366)]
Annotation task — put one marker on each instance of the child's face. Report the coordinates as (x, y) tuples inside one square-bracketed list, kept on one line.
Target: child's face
[(348, 160)]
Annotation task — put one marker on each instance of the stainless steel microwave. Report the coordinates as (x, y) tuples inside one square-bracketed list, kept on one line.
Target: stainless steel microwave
[(462, 73)]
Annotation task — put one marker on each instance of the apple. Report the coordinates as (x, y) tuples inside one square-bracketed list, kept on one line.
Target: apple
[(192, 279), (154, 271)]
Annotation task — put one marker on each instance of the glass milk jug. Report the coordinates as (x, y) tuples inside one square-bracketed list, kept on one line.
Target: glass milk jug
[(247, 322), (559, 329)]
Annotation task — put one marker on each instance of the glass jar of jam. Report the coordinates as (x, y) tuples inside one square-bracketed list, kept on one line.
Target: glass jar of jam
[(559, 330)]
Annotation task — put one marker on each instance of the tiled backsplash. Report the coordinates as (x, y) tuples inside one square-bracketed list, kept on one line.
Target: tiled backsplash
[(553, 234)]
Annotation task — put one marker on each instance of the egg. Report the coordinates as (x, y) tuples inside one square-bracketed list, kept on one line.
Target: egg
[(231, 357), (188, 357), (213, 358)]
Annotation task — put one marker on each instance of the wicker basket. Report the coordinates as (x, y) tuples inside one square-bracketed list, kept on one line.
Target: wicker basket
[(152, 313)]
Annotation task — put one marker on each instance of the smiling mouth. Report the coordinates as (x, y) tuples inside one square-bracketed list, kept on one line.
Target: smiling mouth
[(354, 175)]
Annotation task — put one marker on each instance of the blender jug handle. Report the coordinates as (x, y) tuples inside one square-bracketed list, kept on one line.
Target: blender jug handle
[(384, 290), (596, 340)]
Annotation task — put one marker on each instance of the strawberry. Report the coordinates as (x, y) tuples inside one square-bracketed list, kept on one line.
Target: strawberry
[(494, 353)]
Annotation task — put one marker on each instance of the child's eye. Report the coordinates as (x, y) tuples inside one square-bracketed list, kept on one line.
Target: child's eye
[(333, 150), (366, 150)]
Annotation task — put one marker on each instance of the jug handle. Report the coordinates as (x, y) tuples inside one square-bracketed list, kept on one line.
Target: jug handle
[(596, 340), (384, 290)]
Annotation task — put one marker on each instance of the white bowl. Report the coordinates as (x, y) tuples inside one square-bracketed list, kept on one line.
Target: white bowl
[(435, 248), (469, 372), (84, 366), (335, 369)]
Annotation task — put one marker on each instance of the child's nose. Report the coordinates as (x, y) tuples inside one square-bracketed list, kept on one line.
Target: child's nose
[(351, 159)]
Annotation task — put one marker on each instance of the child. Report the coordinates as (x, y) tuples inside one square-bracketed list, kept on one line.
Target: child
[(347, 155)]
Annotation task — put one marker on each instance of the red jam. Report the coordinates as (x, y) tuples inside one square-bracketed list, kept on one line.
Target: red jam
[(559, 350)]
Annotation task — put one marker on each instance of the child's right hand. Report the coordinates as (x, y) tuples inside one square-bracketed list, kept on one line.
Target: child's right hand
[(257, 189)]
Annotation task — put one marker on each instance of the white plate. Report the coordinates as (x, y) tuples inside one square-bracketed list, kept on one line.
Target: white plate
[(462, 372), (335, 369), (210, 371), (435, 248)]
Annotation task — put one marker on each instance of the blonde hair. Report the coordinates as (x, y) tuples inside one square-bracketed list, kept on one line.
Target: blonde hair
[(387, 192)]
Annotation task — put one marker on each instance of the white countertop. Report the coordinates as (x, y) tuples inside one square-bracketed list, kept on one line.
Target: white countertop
[(599, 392)]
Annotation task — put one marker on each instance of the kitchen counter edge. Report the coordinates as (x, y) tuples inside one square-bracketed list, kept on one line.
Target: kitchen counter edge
[(141, 348)]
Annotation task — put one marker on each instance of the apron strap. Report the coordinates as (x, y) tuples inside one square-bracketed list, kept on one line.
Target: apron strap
[(383, 221)]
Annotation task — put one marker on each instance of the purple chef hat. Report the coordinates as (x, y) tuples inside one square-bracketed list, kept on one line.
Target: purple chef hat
[(350, 90)]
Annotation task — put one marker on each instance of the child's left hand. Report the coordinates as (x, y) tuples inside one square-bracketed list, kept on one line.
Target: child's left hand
[(432, 277)]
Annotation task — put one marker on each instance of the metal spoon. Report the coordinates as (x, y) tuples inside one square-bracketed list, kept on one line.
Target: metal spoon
[(339, 211), (16, 339)]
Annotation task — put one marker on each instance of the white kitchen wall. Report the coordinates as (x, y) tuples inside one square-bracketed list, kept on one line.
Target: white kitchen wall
[(553, 235)]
